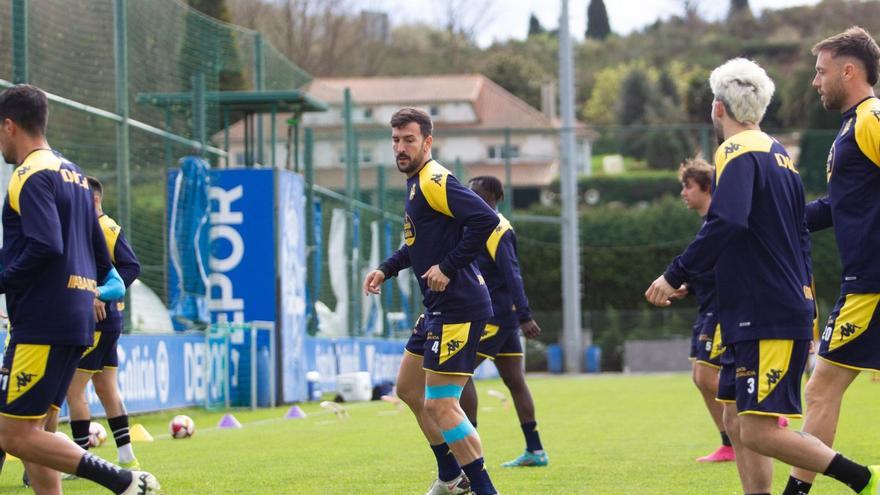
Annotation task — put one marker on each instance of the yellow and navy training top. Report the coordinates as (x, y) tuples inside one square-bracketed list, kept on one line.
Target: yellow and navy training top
[(500, 267), (127, 265), (756, 239), (53, 252), (445, 224), (852, 205)]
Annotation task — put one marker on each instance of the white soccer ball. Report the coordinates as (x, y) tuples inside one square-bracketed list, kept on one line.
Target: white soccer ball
[(181, 426), (97, 435)]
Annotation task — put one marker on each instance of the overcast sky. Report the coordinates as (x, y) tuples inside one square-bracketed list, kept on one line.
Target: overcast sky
[(509, 18)]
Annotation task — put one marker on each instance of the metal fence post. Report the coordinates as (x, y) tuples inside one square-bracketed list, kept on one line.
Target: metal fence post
[(312, 275), (259, 85), (123, 143), (198, 110), (19, 41), (507, 205)]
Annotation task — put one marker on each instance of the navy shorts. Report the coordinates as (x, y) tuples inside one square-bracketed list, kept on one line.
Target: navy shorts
[(710, 348), (695, 337), (500, 341), (446, 348), (35, 377), (764, 376), (852, 335), (102, 354)]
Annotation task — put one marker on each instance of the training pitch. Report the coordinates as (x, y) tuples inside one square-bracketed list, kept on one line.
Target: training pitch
[(608, 434)]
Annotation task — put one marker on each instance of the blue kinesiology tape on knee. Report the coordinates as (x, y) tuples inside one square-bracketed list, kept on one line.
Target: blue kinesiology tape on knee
[(460, 432), (450, 391)]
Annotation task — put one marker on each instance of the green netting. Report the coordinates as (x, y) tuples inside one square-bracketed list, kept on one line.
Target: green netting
[(72, 54)]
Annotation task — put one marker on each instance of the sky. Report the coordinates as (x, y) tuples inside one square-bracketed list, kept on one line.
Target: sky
[(506, 19)]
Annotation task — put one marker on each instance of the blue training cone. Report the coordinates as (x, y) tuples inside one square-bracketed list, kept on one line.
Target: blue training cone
[(228, 421), (295, 412)]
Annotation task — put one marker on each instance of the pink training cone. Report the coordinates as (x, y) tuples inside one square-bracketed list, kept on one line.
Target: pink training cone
[(228, 421), (295, 412)]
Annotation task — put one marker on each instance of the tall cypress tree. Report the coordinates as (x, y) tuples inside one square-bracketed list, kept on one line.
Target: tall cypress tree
[(211, 48), (598, 27), (535, 26)]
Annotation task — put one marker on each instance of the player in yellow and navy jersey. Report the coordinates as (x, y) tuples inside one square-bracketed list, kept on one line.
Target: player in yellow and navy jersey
[(696, 177), (53, 257), (501, 340), (847, 67), (99, 363), (445, 227), (755, 237)]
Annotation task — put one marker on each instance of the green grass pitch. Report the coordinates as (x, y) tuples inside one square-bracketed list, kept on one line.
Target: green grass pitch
[(609, 434)]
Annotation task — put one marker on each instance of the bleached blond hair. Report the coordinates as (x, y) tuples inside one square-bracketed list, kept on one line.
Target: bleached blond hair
[(744, 88)]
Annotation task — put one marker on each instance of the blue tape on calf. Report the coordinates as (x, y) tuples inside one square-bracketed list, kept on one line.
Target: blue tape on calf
[(460, 432), (450, 391)]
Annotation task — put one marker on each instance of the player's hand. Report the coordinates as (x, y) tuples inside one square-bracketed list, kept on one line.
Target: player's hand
[(435, 279), (373, 282), (100, 310), (530, 329), (659, 292), (680, 293)]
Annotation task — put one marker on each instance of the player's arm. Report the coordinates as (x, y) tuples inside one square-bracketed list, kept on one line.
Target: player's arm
[(728, 216), (398, 261), (818, 214), (508, 265), (41, 227), (103, 263), (478, 220), (125, 261)]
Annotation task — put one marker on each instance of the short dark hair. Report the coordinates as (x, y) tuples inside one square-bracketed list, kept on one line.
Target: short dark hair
[(489, 184), (406, 115), (95, 185), (857, 43), (697, 170), (27, 106)]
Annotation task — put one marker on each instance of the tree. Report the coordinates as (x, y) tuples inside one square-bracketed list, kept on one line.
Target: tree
[(598, 27), (535, 26), (633, 101), (521, 76), (667, 88), (738, 7), (211, 48)]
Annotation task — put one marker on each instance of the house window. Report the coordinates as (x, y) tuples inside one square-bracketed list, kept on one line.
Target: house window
[(341, 156), (435, 110), (435, 152), (368, 113), (496, 152), (366, 155), (239, 159)]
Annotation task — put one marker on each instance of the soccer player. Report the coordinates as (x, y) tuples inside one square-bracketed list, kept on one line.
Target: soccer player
[(695, 176), (500, 341), (846, 71), (54, 254), (755, 238), (99, 363), (445, 227)]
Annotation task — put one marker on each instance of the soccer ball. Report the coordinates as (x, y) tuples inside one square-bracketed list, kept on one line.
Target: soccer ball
[(181, 426), (97, 435)]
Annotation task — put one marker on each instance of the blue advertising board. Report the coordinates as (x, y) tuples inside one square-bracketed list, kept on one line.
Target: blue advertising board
[(160, 372), (292, 285), (241, 267)]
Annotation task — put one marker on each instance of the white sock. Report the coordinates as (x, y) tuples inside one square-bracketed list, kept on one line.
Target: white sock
[(126, 454)]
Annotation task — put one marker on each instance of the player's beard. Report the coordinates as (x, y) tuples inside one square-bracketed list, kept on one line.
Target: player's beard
[(832, 98), (719, 131), (411, 165)]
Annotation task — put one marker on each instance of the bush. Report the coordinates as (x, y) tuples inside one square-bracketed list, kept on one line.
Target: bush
[(630, 188)]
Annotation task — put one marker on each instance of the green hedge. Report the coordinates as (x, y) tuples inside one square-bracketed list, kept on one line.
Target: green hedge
[(630, 188)]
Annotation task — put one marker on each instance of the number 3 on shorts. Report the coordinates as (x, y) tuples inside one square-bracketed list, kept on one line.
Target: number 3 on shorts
[(751, 382)]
